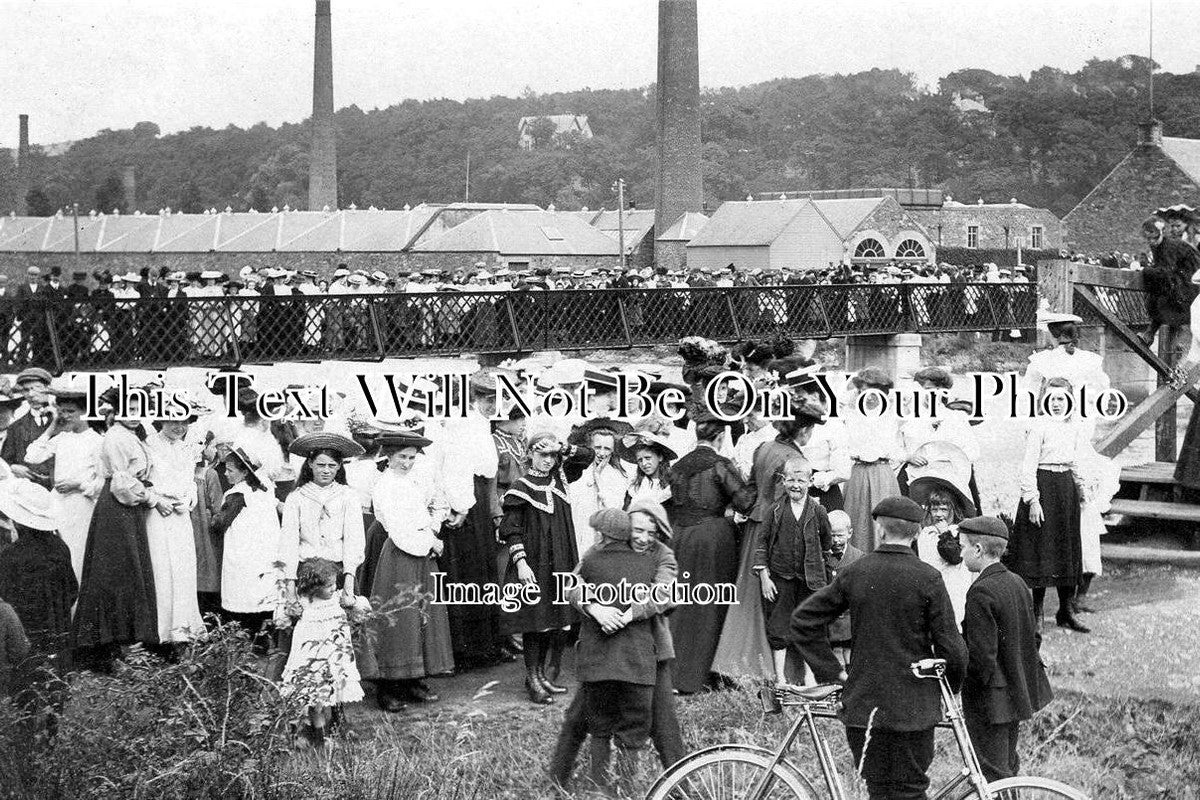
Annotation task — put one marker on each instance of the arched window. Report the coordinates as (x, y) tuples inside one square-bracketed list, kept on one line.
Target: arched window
[(910, 248), (869, 248)]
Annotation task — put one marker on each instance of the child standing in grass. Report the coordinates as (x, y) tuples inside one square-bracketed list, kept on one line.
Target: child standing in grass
[(1005, 680), (794, 545), (320, 668)]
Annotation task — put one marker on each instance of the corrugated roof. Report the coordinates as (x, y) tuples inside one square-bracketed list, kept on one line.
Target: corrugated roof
[(747, 224), (128, 234), (523, 233), (25, 233), (685, 228), (847, 214), (1185, 153)]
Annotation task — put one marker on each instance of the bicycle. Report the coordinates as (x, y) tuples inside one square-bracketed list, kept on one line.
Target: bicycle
[(720, 771)]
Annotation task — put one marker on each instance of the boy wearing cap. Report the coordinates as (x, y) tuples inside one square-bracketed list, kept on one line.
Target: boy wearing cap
[(1005, 681), (34, 383), (900, 614), (617, 660)]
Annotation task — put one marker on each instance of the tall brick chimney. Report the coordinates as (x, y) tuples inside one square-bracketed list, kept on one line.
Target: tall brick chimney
[(678, 187), (322, 170), (1150, 133), (24, 180), (129, 184)]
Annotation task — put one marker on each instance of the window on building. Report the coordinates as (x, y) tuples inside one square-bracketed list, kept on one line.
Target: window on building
[(910, 248), (1035, 237), (553, 234), (869, 248), (972, 236)]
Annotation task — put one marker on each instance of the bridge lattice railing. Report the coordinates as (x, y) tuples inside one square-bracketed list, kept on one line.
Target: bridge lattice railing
[(154, 333)]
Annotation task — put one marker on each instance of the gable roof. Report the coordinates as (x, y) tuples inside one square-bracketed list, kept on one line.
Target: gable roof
[(1185, 153), (844, 215), (523, 233), (744, 223), (685, 228), (563, 123)]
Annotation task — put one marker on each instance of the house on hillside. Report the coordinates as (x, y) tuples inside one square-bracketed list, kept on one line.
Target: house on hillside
[(1158, 171), (564, 124), (809, 234), (518, 240)]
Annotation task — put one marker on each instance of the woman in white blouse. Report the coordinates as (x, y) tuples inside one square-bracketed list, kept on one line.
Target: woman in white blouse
[(1045, 547), (322, 518), (602, 485), (170, 533), (414, 641)]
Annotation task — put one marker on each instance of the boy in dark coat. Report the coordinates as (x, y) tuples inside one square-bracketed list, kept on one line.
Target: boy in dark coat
[(842, 556), (901, 614), (1005, 680), (617, 659), (794, 545)]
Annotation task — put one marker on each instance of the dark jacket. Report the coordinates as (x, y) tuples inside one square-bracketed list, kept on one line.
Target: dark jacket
[(1168, 281), (631, 654), (901, 614), (774, 546), (21, 434), (1005, 681), (839, 629)]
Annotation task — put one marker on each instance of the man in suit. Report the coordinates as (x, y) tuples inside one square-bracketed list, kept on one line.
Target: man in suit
[(34, 383), (77, 319), (1005, 680), (31, 303), (899, 614)]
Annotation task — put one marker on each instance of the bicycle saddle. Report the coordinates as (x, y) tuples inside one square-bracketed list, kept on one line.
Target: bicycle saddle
[(814, 693)]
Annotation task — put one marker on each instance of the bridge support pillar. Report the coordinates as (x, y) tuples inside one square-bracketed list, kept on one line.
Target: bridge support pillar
[(899, 355)]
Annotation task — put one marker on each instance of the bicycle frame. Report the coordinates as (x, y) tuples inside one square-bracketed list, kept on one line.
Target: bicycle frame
[(971, 773)]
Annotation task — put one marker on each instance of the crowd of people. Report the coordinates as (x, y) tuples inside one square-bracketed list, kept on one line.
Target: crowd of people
[(147, 530)]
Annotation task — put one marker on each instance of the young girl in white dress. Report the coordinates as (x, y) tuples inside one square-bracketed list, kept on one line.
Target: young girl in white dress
[(320, 669), (250, 526), (938, 544)]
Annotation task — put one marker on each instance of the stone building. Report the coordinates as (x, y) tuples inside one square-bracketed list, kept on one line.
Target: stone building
[(809, 234), (1158, 171), (999, 226)]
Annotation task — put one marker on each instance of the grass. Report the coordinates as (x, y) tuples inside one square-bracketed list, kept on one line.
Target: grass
[(1109, 748)]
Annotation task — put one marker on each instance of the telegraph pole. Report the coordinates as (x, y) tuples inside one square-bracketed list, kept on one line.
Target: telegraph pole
[(619, 187)]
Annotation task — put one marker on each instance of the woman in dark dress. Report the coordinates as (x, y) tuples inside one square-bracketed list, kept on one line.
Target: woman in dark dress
[(538, 529), (703, 485), (117, 603), (1046, 547)]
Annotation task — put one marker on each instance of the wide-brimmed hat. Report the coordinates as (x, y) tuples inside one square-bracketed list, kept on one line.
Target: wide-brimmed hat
[(27, 504), (248, 461), (630, 443), (947, 466), (402, 439), (309, 443)]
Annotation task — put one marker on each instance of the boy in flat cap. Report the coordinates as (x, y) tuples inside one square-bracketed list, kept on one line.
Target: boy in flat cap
[(899, 614), (1006, 681)]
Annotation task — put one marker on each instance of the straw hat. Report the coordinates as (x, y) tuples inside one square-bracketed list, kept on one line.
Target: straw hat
[(630, 443), (307, 444), (948, 468), (26, 503)]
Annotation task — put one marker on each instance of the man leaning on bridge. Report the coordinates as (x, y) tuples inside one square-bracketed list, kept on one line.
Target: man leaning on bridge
[(1168, 282)]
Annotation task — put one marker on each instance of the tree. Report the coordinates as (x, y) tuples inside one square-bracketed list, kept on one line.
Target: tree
[(111, 195)]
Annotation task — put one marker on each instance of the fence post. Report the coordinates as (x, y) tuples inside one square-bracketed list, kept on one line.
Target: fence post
[(375, 331), (512, 324), (233, 332), (624, 320), (737, 328), (819, 301), (52, 330)]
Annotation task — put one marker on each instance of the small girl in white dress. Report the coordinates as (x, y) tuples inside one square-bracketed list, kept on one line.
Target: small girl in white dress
[(320, 669)]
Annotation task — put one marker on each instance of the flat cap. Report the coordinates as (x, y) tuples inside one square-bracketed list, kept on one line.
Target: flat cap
[(34, 374), (985, 526), (898, 508)]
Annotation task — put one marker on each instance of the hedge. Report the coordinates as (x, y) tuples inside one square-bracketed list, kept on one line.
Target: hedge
[(964, 256)]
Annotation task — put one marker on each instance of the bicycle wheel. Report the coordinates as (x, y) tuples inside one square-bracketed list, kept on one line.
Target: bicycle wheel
[(1023, 788), (728, 772)]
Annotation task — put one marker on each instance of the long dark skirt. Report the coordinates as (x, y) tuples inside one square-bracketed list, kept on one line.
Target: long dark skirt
[(116, 596), (376, 536), (470, 558), (1052, 553), (1187, 468), (707, 553), (418, 643)]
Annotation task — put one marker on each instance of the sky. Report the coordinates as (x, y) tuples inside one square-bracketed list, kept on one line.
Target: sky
[(79, 67)]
